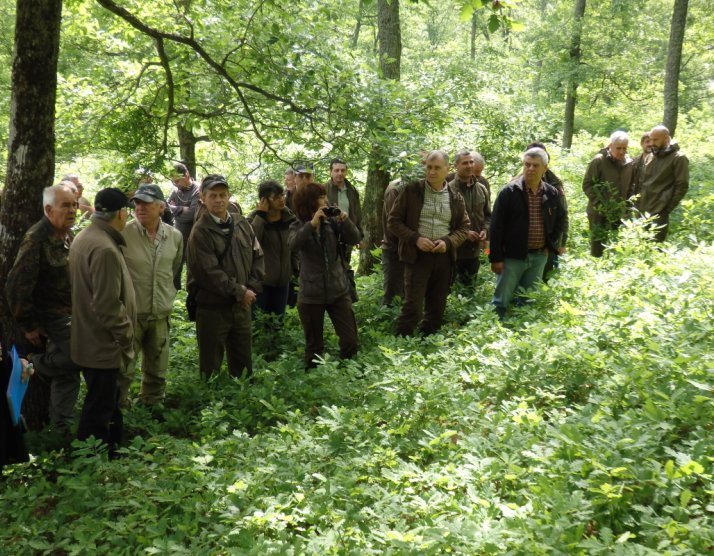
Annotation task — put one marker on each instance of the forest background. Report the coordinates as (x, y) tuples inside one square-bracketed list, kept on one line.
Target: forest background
[(582, 426)]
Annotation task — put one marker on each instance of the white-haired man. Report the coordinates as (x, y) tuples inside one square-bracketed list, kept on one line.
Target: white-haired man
[(607, 184), (39, 296), (527, 223), (153, 255)]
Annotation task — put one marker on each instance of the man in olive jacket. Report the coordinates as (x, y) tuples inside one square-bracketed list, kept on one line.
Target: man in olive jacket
[(39, 296), (430, 220), (271, 223), (608, 185), (226, 265), (103, 315), (665, 179), (478, 207)]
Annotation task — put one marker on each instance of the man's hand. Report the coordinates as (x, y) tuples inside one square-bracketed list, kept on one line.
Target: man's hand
[(482, 235), (248, 299), (28, 369), (439, 246), (497, 268), (263, 205), (36, 337), (425, 244), (561, 250), (472, 236)]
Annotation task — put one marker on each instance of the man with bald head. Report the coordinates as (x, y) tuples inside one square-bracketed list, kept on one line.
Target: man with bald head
[(39, 295), (607, 185), (665, 179), (430, 221)]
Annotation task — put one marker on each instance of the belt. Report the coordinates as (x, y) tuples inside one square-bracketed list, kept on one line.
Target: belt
[(539, 250)]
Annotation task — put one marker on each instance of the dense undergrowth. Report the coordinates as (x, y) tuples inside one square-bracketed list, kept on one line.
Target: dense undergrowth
[(583, 425)]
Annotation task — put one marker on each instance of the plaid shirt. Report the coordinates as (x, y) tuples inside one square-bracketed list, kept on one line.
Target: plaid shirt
[(435, 214), (536, 230)]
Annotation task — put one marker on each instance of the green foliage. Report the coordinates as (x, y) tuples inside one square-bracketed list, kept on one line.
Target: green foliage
[(583, 425)]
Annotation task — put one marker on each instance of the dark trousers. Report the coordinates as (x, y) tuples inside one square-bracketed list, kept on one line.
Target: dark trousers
[(273, 299), (101, 416), (663, 221), (224, 329), (600, 229), (312, 317), (179, 271), (393, 281), (56, 366), (426, 284), (467, 269)]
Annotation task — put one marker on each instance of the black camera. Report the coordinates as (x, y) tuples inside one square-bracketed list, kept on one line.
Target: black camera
[(331, 211)]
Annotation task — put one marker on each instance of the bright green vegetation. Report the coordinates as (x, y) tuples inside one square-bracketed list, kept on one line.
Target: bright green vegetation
[(581, 426)]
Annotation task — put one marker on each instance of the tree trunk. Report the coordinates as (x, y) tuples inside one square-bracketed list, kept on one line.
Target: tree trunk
[(674, 62), (31, 151), (390, 56), (571, 95), (187, 148), (358, 24), (389, 36), (474, 28)]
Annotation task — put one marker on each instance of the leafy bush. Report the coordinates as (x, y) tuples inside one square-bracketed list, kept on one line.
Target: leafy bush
[(582, 425)]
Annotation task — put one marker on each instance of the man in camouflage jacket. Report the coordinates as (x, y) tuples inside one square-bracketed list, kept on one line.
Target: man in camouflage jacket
[(39, 295)]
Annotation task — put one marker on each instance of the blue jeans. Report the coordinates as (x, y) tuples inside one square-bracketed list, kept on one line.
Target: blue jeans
[(518, 273)]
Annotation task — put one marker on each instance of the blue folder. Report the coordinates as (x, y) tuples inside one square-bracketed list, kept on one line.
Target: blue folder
[(16, 389)]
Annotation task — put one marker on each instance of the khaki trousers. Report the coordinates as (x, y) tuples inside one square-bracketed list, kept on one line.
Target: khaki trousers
[(151, 340)]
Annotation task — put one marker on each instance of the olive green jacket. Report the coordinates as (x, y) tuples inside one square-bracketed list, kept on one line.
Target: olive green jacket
[(665, 181), (103, 301)]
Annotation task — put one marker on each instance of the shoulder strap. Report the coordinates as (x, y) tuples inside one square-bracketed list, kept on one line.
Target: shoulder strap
[(228, 238)]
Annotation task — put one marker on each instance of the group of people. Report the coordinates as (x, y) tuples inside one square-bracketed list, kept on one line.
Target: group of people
[(652, 183), (91, 304)]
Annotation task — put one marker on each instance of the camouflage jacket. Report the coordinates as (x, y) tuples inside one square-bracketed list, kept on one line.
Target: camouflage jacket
[(38, 287)]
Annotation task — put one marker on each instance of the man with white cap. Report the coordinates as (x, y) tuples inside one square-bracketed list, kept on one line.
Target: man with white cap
[(153, 255)]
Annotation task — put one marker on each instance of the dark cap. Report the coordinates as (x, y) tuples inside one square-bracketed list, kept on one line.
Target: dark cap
[(306, 168), (149, 193), (213, 180), (110, 199)]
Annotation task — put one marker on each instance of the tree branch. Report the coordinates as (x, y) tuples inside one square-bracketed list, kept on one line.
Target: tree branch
[(169, 91), (191, 42)]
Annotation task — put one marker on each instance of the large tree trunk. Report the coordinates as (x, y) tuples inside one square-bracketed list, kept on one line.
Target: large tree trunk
[(390, 57), (674, 62), (187, 148), (571, 95), (31, 152)]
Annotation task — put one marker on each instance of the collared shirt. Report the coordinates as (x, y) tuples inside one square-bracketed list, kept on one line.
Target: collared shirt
[(435, 214), (343, 201), (536, 229), (224, 224), (152, 263)]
